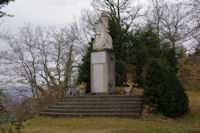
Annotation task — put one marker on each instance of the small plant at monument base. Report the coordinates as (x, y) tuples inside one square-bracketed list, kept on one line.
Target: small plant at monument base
[(82, 88), (128, 86)]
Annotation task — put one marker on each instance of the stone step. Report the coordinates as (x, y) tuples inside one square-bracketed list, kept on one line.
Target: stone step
[(135, 110), (52, 114), (100, 103), (101, 97), (104, 100), (94, 107)]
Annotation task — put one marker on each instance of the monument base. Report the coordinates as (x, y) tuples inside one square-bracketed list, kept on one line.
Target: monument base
[(103, 72)]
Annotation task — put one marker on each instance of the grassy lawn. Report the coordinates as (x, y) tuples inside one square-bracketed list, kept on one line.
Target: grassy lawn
[(151, 124)]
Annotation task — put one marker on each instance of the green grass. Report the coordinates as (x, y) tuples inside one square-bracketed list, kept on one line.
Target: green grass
[(108, 125), (151, 124)]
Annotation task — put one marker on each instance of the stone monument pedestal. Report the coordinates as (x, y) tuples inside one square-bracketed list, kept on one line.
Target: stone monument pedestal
[(103, 72)]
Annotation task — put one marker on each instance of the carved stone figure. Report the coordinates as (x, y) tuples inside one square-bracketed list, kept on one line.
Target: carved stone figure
[(103, 39)]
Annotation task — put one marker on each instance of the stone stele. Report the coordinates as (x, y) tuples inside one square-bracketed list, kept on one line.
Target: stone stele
[(103, 40), (103, 72)]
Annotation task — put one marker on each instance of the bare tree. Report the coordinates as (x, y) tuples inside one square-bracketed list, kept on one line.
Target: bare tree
[(172, 21), (196, 8), (195, 5), (87, 20), (123, 11), (44, 59), (155, 14)]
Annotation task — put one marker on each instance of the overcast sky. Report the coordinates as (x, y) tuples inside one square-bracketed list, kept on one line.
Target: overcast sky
[(56, 13), (43, 12)]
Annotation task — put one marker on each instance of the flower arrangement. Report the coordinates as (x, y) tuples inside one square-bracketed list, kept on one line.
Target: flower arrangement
[(128, 86), (129, 83), (82, 85)]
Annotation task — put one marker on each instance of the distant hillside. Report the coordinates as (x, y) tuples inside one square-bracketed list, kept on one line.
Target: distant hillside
[(18, 92)]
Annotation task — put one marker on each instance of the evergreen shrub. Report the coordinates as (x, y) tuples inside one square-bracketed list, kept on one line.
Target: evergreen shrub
[(163, 91)]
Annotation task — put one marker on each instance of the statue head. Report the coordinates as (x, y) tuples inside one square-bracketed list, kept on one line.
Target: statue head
[(104, 19), (103, 14)]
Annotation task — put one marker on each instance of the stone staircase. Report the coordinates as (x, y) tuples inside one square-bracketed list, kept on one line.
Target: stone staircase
[(97, 106)]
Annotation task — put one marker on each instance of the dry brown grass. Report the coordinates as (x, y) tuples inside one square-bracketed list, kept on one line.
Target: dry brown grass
[(194, 100), (189, 75)]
